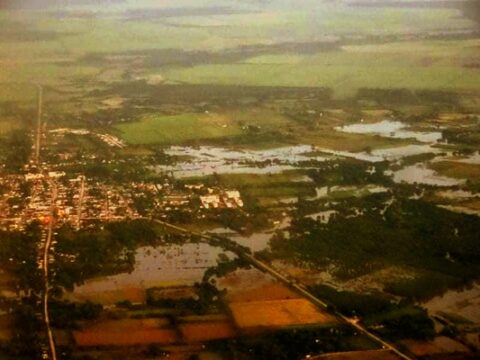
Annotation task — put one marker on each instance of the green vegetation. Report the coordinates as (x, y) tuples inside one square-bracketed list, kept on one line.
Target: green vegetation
[(18, 148), (293, 343), (154, 129), (395, 321), (415, 65), (99, 251), (457, 169), (18, 255), (424, 286), (255, 188), (420, 236)]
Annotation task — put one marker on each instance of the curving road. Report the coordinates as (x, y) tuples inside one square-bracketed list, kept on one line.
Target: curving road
[(46, 252)]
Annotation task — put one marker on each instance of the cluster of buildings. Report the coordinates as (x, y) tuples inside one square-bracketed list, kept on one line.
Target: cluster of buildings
[(80, 201), (230, 199), (109, 139), (198, 196), (28, 198)]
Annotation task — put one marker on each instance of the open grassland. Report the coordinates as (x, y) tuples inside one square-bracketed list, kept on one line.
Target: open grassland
[(278, 313), (110, 296), (42, 47), (191, 127), (265, 188), (231, 128), (260, 180), (457, 169), (308, 20), (414, 65), (158, 129), (8, 124), (206, 331), (128, 332), (329, 138)]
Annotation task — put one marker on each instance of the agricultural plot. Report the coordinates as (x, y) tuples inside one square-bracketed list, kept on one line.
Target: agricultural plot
[(194, 332), (253, 285), (128, 332), (457, 169), (110, 296), (439, 345), (278, 313), (360, 355), (267, 292)]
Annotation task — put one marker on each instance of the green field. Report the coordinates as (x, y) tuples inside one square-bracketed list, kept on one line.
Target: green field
[(39, 47), (166, 130), (413, 65), (7, 125)]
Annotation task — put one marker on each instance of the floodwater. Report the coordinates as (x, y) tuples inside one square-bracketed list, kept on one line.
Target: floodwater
[(394, 153), (208, 160), (464, 303), (156, 266), (257, 241), (472, 159), (421, 174), (323, 216), (392, 129), (457, 194)]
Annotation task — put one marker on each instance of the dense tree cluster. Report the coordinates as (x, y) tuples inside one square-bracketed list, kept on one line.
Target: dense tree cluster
[(99, 251), (389, 318), (409, 233), (17, 149), (19, 255)]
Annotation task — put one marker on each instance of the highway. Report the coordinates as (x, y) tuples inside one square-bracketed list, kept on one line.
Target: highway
[(46, 252), (299, 288)]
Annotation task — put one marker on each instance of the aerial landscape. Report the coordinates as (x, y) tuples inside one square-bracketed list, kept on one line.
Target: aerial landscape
[(227, 179)]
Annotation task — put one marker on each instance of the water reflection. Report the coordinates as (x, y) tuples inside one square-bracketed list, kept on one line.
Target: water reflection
[(392, 129)]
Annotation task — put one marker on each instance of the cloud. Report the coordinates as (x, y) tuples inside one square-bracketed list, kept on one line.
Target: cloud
[(46, 4)]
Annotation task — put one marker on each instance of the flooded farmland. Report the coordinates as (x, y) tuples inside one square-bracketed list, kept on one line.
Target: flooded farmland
[(210, 160), (421, 174), (392, 129), (464, 303), (172, 265)]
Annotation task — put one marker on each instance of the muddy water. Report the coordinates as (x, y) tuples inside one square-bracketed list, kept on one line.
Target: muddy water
[(472, 159), (209, 160), (176, 264), (421, 174), (464, 303), (378, 155), (257, 241)]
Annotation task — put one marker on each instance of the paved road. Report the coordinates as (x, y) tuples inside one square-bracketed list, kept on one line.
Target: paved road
[(46, 251), (299, 288)]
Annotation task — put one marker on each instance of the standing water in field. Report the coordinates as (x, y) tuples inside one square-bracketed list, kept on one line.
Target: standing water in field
[(393, 129)]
